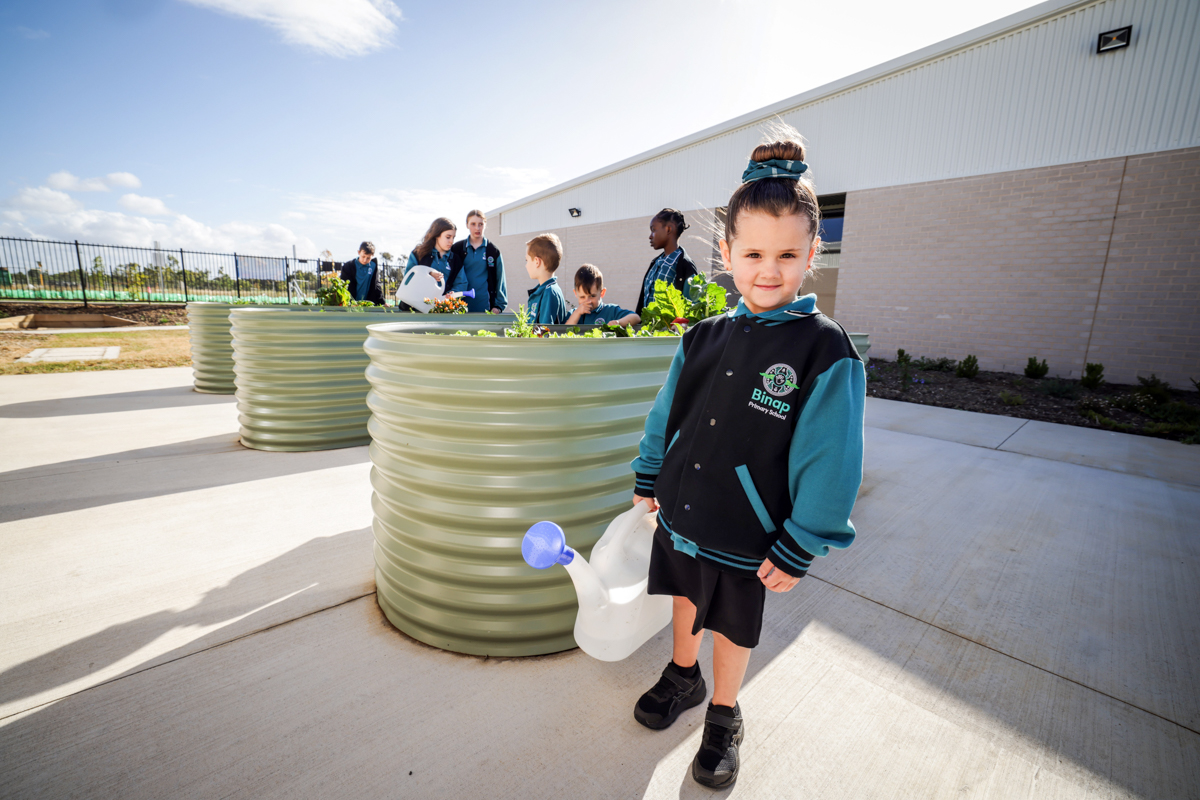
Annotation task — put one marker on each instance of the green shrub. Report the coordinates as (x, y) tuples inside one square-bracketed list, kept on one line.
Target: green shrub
[(1097, 404), (968, 367), (1105, 422), (1058, 388), (1012, 399), (935, 364), (905, 373), (1035, 370), (1155, 388), (1093, 376), (1177, 412), (903, 357), (1133, 401)]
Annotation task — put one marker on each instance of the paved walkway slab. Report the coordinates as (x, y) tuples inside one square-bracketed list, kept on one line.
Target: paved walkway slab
[(182, 617), (62, 354)]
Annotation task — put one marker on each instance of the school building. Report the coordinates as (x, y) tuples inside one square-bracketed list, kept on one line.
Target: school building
[(1028, 188)]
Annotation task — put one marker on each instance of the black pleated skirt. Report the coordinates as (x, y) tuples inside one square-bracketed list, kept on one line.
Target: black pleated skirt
[(731, 605)]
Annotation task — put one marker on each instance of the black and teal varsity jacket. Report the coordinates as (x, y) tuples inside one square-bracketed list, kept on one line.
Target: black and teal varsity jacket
[(754, 447)]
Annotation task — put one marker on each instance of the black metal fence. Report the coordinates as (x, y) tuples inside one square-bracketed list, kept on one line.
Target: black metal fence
[(37, 269)]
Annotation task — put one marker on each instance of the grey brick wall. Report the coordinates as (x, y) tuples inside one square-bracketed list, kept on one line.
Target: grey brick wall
[(1095, 261)]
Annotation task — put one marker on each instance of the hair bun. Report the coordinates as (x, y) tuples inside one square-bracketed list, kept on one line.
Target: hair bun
[(784, 150)]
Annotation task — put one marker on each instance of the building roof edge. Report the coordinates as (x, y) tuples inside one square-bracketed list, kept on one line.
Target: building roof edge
[(992, 30)]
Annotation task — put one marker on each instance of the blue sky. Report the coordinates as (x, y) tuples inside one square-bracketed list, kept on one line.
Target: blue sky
[(253, 125)]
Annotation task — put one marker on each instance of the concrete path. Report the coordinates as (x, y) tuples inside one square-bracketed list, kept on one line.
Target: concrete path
[(181, 617)]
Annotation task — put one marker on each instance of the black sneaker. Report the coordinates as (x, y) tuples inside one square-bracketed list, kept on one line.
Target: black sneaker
[(671, 696), (717, 763)]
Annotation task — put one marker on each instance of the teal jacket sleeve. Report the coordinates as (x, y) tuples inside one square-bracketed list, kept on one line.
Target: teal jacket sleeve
[(501, 299), (653, 447), (825, 464), (412, 262)]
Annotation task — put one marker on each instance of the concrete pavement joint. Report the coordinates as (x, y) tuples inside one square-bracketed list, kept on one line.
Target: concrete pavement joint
[(1007, 655), (1014, 433), (189, 655)]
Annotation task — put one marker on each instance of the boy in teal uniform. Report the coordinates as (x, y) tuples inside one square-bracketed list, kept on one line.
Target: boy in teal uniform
[(546, 305), (590, 291)]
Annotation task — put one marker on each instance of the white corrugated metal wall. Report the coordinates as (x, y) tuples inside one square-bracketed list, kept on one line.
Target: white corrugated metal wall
[(1033, 96)]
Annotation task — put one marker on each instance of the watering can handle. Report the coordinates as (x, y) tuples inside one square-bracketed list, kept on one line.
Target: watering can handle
[(630, 523)]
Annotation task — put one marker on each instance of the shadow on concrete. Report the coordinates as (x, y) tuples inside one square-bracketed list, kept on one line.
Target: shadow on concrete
[(153, 472), (303, 580), (169, 397)]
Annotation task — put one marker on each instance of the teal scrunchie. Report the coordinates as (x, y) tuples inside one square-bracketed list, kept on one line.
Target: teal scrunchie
[(774, 168)]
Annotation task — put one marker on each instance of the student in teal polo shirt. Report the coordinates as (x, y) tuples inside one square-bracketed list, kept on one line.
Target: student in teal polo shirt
[(590, 291), (478, 265), (546, 304)]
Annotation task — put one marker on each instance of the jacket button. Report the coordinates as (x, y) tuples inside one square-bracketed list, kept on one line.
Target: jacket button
[(728, 372), (712, 422), (687, 508), (746, 329), (697, 466)]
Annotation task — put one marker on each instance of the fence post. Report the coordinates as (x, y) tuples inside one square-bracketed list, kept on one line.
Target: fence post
[(237, 276), (287, 280), (183, 269), (82, 278)]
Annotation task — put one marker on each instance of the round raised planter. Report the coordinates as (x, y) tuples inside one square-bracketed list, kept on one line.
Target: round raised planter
[(299, 374), (474, 440), (212, 346)]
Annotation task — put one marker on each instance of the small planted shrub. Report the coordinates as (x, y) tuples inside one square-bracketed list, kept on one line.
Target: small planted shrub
[(905, 372), (1133, 401), (1096, 405), (968, 367), (1012, 399), (1036, 370), (447, 305), (903, 357), (1093, 376), (1155, 389), (872, 373), (935, 364), (1058, 388)]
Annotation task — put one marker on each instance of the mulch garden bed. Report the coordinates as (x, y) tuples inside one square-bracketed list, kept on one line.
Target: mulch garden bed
[(1151, 408), (141, 313)]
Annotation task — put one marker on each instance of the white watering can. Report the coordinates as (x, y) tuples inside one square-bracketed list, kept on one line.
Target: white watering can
[(616, 615), (418, 284)]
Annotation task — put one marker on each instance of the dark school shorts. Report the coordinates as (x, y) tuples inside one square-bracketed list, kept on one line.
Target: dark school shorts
[(729, 604)]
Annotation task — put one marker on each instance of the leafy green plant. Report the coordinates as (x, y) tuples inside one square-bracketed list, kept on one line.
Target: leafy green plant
[(1058, 388), (905, 372), (1155, 389), (670, 309), (1096, 404), (523, 327), (935, 364), (1012, 399), (1093, 376), (1036, 370), (903, 357), (968, 367), (1177, 412), (447, 305), (1133, 401)]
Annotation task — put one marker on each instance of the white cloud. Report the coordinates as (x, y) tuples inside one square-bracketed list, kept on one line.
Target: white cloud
[(123, 180), (344, 28), (66, 182), (44, 200), (43, 212), (150, 206)]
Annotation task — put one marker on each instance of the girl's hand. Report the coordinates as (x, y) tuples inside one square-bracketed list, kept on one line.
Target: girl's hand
[(651, 503), (775, 579)]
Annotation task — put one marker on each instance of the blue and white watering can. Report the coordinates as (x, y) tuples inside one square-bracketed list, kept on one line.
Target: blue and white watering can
[(419, 284), (616, 615)]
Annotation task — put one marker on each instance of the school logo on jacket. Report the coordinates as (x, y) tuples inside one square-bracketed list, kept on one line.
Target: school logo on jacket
[(778, 381)]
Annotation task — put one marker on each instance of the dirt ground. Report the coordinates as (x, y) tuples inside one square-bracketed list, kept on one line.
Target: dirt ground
[(140, 313), (139, 350), (1159, 411)]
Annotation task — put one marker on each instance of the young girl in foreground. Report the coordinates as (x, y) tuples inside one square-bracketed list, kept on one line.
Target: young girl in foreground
[(752, 455)]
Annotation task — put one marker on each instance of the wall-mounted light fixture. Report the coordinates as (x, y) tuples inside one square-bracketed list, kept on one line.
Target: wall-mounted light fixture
[(574, 212), (1114, 40)]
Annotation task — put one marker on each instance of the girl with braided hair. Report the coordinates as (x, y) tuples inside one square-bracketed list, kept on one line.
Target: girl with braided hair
[(673, 266), (752, 454)]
